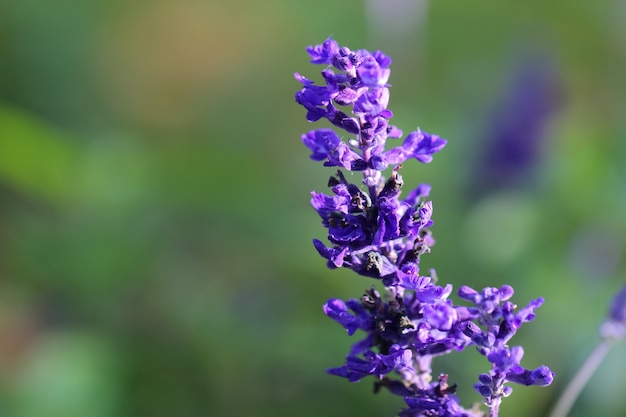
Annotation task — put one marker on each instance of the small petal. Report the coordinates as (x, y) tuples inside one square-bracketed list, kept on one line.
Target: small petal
[(334, 255), (323, 53), (345, 157), (374, 103), (321, 142), (484, 390), (440, 315), (313, 98), (346, 96), (336, 309), (468, 294), (372, 75), (505, 359), (302, 79), (383, 60), (421, 146)]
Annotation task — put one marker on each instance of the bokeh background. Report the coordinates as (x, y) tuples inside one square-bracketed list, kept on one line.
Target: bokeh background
[(155, 227)]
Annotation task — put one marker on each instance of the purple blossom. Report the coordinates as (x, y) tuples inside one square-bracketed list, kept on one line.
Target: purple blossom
[(617, 312), (515, 131), (321, 142), (540, 376), (361, 83), (373, 103), (418, 145), (338, 311), (374, 364), (378, 234), (323, 53), (441, 315), (614, 327), (372, 75), (497, 322)]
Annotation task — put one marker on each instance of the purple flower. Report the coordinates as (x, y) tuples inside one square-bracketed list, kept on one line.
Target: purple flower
[(378, 234), (335, 256), (541, 376), (321, 142), (418, 145), (372, 104), (361, 83), (383, 60), (615, 325), (409, 277), (374, 364), (441, 315), (372, 75), (617, 312), (514, 134), (343, 156), (323, 53), (338, 311), (499, 322)]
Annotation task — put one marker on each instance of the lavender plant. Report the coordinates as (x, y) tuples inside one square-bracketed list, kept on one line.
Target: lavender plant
[(379, 235)]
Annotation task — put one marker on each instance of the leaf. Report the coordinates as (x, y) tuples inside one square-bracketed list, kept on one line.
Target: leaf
[(35, 158)]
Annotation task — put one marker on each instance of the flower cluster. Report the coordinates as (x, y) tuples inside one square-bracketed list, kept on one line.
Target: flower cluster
[(372, 232), (499, 322), (377, 234)]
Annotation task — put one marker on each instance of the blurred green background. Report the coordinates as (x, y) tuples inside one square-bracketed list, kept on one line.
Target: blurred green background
[(155, 227)]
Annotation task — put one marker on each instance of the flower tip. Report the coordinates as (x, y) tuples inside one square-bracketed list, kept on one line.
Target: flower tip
[(618, 307), (468, 293), (542, 376), (324, 52)]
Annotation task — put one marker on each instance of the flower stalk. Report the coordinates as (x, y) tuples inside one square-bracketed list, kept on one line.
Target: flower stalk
[(379, 235)]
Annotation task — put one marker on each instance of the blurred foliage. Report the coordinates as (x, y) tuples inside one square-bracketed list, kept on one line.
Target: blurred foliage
[(155, 255)]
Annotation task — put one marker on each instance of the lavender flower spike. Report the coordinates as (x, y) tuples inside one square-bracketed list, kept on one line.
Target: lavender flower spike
[(378, 234)]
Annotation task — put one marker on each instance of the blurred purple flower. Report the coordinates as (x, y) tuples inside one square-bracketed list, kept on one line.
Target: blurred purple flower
[(614, 327), (513, 141)]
